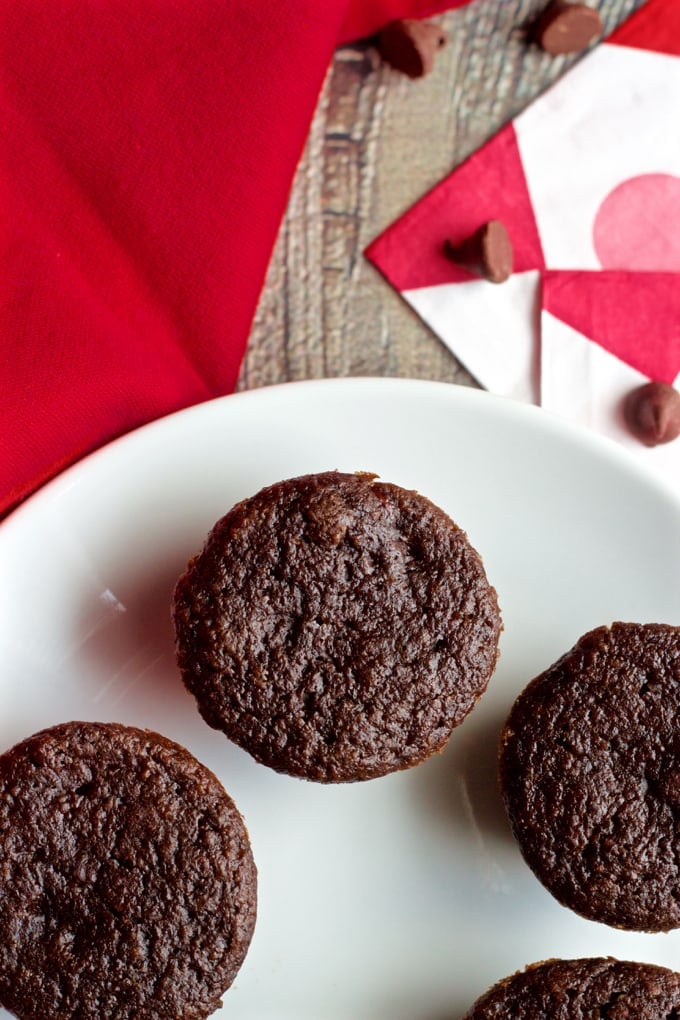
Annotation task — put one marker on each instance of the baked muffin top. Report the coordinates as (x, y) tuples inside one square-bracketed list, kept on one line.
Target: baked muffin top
[(590, 770), (586, 989), (127, 883), (336, 627)]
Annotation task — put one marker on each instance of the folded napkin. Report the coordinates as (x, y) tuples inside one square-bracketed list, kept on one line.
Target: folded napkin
[(587, 182), (146, 156)]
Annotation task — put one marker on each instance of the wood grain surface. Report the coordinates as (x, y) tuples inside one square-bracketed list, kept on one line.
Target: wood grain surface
[(377, 143)]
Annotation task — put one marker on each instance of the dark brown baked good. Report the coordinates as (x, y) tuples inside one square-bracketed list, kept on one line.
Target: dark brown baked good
[(336, 627), (590, 770), (127, 884), (586, 989)]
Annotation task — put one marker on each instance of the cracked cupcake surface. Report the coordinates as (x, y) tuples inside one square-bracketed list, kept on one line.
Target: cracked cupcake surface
[(336, 627), (581, 990), (127, 883), (590, 771)]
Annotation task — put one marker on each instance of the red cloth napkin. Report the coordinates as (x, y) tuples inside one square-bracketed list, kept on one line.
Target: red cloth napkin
[(147, 151)]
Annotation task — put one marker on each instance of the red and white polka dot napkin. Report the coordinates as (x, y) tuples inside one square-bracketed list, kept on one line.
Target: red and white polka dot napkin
[(587, 182)]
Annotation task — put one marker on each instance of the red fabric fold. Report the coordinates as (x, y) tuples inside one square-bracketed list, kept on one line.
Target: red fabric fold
[(147, 154), (615, 308), (655, 26), (366, 18), (490, 184)]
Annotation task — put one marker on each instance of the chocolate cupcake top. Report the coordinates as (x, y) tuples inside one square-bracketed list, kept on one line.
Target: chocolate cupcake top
[(127, 883), (336, 627), (587, 989), (590, 770)]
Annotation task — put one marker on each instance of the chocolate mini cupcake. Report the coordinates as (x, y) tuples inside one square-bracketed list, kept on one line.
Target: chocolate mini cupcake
[(336, 627), (580, 989), (590, 771), (127, 884)]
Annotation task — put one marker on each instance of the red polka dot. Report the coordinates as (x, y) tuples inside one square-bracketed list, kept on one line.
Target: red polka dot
[(638, 225)]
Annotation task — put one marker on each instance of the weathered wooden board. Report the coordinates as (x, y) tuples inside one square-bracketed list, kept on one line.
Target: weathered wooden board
[(378, 142)]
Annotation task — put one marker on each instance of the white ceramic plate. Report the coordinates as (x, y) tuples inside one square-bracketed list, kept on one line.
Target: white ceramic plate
[(405, 897)]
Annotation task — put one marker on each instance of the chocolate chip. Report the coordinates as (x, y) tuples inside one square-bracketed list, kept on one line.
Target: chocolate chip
[(566, 27), (652, 413), (411, 46), (487, 253)]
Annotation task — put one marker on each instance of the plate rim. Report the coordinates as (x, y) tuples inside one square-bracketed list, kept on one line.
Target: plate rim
[(547, 422), (469, 408)]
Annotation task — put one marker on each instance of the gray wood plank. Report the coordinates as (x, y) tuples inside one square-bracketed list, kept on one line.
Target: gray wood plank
[(377, 143)]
